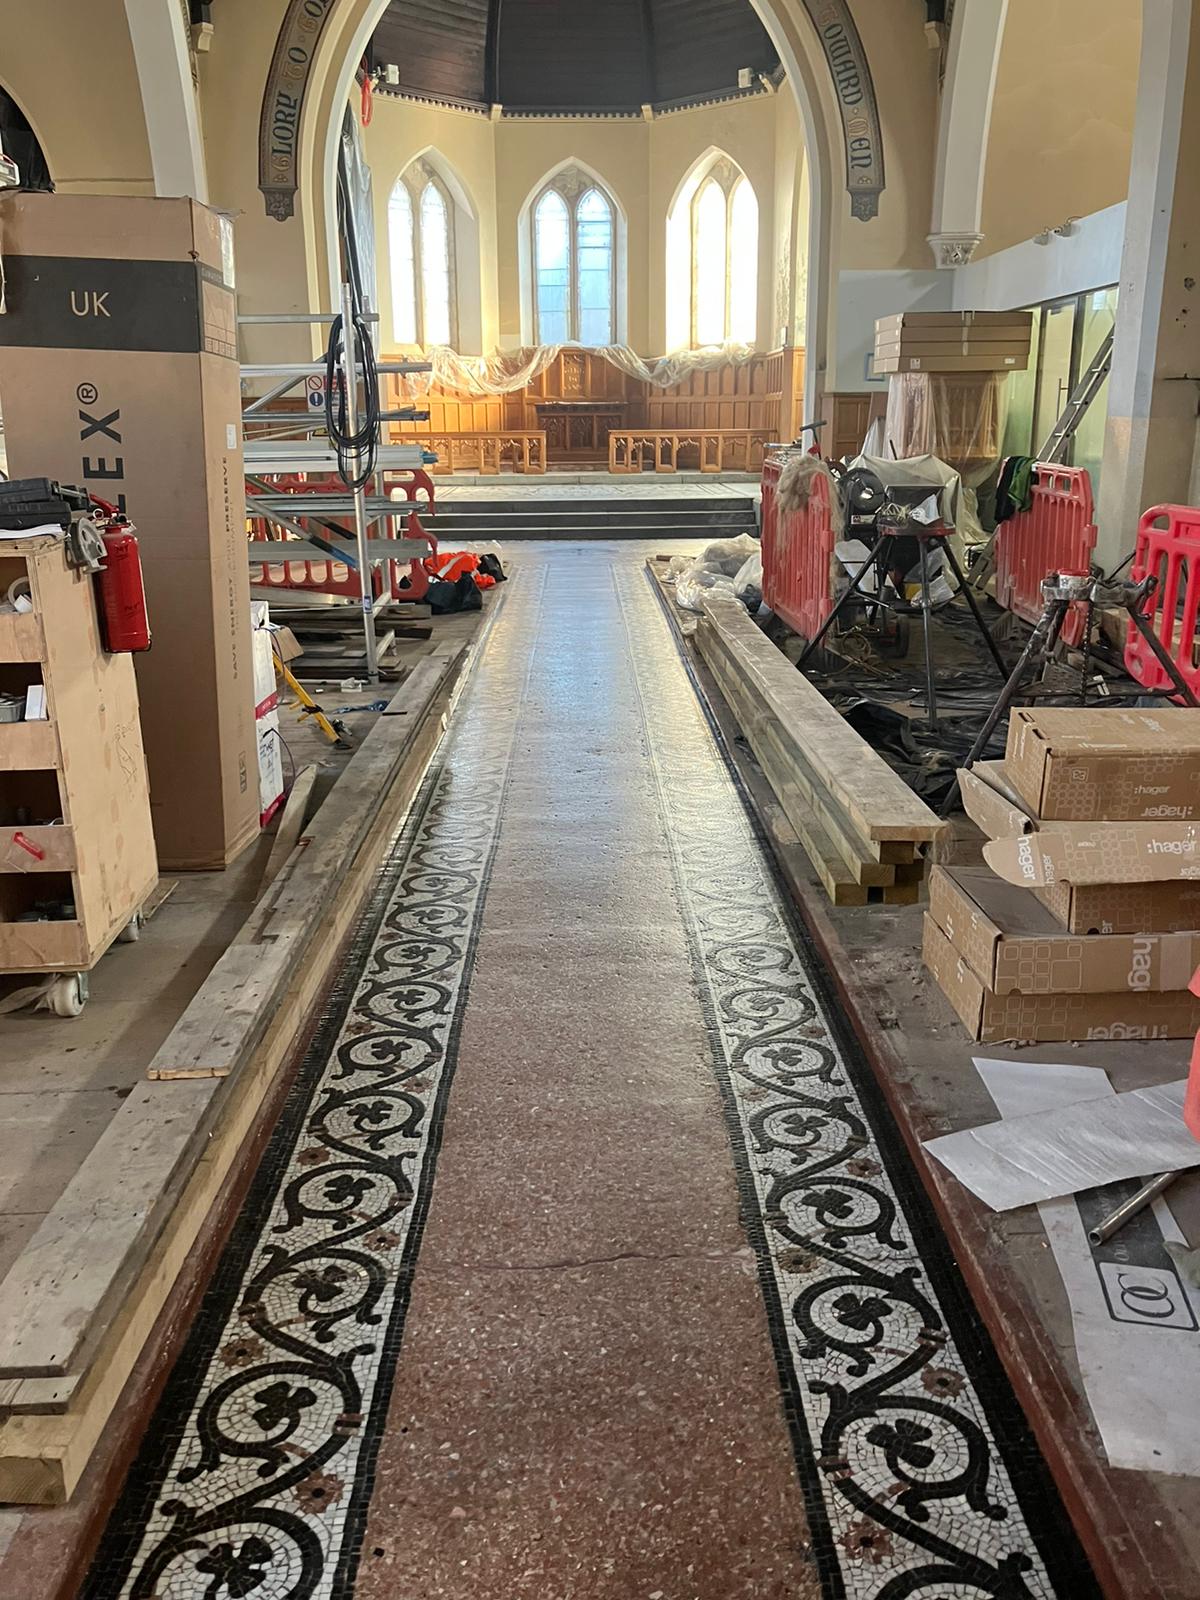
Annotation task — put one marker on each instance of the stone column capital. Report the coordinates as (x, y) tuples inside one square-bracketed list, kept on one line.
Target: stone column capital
[(954, 249)]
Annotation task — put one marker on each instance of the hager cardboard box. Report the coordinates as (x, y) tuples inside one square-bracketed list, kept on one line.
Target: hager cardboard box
[(1033, 853), (1117, 766), (119, 371), (887, 362), (950, 325), (1123, 907), (1014, 945), (1052, 1018)]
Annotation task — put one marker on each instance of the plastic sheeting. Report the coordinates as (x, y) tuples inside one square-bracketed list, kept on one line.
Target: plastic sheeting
[(358, 184), (715, 569), (507, 371), (958, 417)]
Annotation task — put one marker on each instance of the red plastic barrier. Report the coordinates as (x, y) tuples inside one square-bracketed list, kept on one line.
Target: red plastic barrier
[(797, 553), (1056, 534), (408, 582), (1168, 546)]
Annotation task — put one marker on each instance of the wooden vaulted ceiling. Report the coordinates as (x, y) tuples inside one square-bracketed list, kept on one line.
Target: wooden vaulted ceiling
[(571, 55)]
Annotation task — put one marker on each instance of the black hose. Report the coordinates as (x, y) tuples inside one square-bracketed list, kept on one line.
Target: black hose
[(359, 352), (363, 443)]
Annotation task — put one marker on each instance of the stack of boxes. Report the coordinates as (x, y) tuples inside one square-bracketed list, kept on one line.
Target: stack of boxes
[(266, 713), (953, 341), (1083, 924), (946, 388)]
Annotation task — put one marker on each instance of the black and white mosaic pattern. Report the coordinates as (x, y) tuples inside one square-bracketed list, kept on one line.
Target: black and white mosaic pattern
[(255, 1481), (908, 1489), (263, 1488)]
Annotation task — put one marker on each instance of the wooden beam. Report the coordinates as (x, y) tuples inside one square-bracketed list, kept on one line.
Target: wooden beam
[(291, 824), (47, 1441), (61, 1293), (878, 802)]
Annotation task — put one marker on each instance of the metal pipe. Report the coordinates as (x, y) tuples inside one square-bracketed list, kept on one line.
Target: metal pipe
[(931, 710), (273, 317), (1128, 1209), (301, 369), (362, 538), (847, 594), (271, 394)]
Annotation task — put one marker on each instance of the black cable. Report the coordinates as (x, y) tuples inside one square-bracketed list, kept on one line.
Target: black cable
[(354, 349), (358, 351)]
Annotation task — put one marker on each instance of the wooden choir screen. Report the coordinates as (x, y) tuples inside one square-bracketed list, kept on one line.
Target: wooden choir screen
[(568, 415)]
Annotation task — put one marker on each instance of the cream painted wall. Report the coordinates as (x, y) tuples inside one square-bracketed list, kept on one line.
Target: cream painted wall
[(1062, 116), (526, 150), (642, 164), (744, 130), (399, 132), (69, 65), (788, 265), (271, 269), (905, 73)]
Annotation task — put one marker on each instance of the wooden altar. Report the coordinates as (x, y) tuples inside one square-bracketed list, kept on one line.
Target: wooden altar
[(577, 430)]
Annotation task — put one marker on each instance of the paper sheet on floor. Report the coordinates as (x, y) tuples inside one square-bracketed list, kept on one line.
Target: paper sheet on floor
[(1136, 1323), (1021, 1161)]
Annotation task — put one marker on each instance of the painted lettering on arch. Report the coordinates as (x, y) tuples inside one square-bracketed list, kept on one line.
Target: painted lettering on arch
[(283, 104), (851, 75)]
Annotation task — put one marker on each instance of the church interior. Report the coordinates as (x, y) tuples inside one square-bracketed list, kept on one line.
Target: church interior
[(600, 800)]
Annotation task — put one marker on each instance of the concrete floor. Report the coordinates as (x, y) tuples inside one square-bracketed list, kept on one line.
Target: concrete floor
[(681, 1325)]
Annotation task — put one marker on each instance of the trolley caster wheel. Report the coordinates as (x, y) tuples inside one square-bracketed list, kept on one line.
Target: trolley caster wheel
[(68, 994), (132, 931), (894, 645)]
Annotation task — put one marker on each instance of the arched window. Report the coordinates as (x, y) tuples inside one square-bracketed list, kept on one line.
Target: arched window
[(574, 262), (712, 258), (422, 249)]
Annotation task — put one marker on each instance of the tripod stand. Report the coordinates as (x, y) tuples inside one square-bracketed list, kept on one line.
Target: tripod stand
[(897, 528)]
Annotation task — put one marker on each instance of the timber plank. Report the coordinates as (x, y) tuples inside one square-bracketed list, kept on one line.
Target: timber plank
[(880, 804), (793, 783), (66, 1272), (87, 1401), (64, 1286), (291, 823)]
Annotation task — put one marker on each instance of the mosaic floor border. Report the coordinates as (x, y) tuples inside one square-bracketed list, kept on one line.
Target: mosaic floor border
[(920, 1475)]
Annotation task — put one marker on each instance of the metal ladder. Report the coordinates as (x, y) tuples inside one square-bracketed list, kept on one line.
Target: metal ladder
[(1084, 393)]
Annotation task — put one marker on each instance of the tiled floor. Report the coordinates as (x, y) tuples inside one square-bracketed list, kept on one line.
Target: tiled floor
[(585, 1264)]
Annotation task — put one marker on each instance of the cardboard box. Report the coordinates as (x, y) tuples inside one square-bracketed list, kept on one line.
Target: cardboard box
[(1014, 945), (1053, 1018), (1029, 851), (885, 364), (118, 371), (1123, 907), (1106, 765), (957, 324), (956, 347), (266, 691), (953, 341), (270, 766)]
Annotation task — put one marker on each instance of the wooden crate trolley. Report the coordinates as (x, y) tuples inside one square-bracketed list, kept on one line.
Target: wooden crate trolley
[(77, 855)]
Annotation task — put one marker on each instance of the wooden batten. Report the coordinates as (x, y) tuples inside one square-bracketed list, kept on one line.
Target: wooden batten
[(79, 1303)]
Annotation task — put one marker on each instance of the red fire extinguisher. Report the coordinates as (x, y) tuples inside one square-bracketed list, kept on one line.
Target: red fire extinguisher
[(124, 621)]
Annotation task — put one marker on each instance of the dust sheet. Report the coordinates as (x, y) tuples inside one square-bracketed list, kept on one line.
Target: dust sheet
[(1136, 1322), (1024, 1160)]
